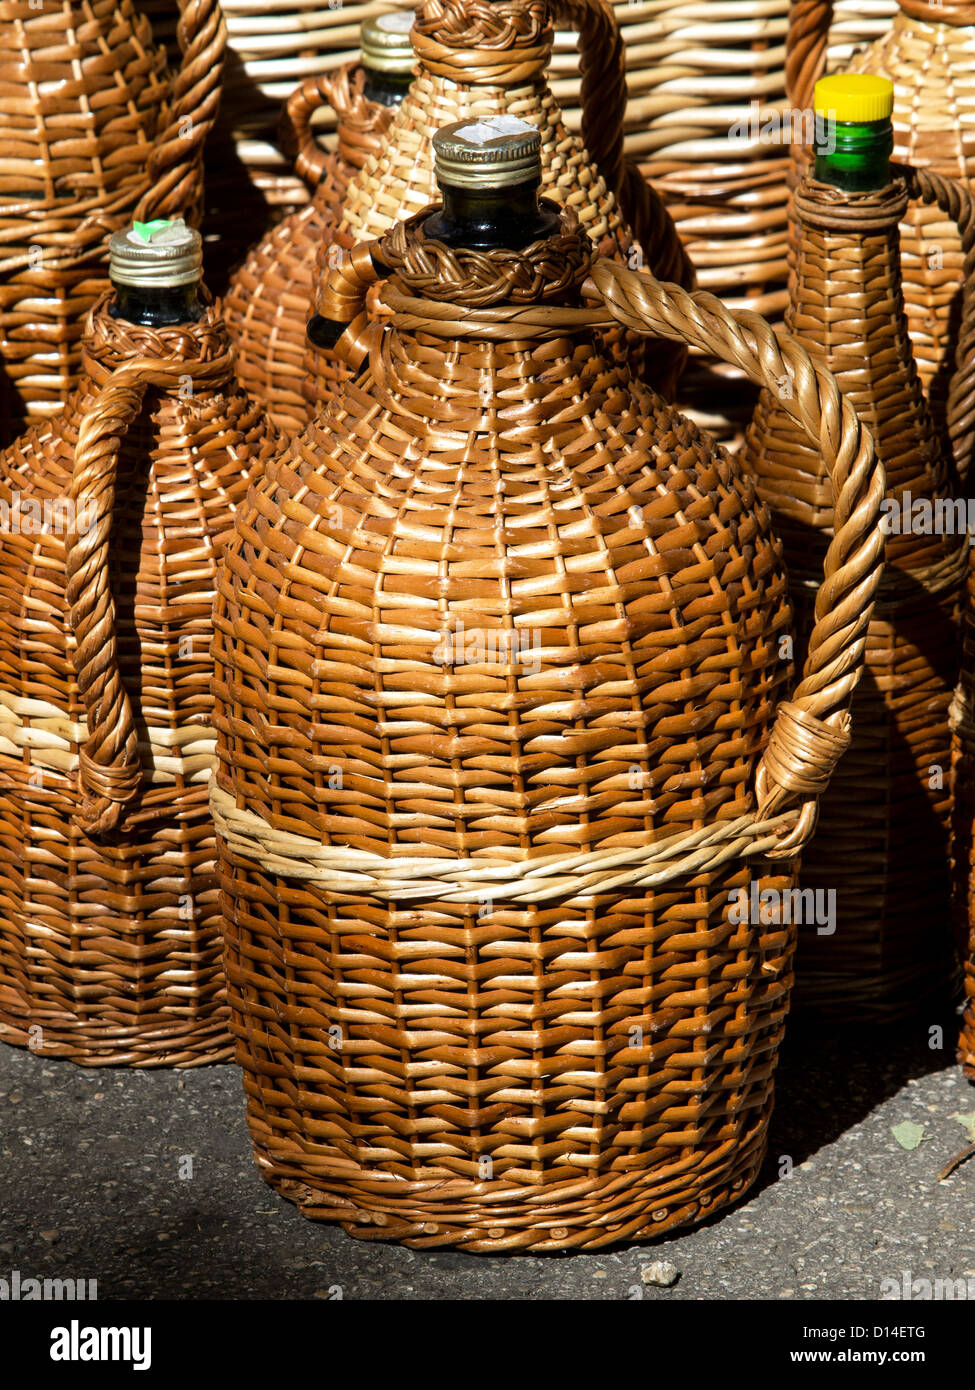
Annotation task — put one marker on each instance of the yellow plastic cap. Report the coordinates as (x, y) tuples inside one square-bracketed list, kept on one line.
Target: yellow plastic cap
[(854, 96)]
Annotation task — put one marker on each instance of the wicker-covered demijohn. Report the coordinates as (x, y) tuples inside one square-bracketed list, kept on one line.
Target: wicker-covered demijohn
[(116, 510), (269, 300), (94, 131), (478, 59), (504, 737), (882, 849), (929, 55)]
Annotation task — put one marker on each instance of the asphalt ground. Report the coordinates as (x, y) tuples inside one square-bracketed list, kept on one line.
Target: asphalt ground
[(95, 1182)]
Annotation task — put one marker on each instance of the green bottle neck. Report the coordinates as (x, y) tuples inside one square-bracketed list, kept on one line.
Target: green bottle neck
[(853, 156)]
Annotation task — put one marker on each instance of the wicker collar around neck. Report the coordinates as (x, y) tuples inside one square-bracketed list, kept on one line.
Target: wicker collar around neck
[(938, 13), (832, 209), (477, 43), (110, 343)]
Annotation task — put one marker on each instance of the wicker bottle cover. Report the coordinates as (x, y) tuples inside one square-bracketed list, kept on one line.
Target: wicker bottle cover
[(497, 660), (963, 814), (91, 124), (267, 304), (929, 54), (882, 848), (113, 515), (485, 59)]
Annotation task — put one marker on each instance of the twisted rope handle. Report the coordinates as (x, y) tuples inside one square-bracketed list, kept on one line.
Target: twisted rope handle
[(176, 163), (334, 89), (603, 82), (110, 769), (954, 199), (811, 730), (805, 49)]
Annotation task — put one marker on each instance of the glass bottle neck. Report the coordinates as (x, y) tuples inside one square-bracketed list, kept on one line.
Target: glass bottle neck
[(385, 88), (158, 306), (854, 156), (487, 219)]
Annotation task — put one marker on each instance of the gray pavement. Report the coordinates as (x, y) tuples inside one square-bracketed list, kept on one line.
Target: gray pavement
[(94, 1183)]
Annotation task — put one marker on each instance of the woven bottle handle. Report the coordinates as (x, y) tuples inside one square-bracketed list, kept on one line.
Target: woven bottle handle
[(110, 768), (954, 199), (332, 89), (176, 163), (811, 730), (805, 49), (603, 82)]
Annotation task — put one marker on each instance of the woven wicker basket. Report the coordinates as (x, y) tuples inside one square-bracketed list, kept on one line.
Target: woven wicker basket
[(271, 296), (109, 935), (474, 59), (929, 55), (484, 976), (883, 846), (91, 126)]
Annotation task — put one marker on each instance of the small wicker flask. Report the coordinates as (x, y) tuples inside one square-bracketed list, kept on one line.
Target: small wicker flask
[(883, 846), (93, 131), (503, 743), (480, 59), (114, 513), (929, 55), (266, 306)]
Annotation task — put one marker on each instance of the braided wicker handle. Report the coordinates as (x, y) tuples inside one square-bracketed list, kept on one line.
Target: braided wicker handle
[(603, 83), (805, 49), (332, 89), (176, 163), (811, 731), (110, 768), (955, 201)]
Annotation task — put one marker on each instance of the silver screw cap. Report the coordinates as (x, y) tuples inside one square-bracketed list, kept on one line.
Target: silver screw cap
[(161, 254), (487, 152), (384, 43)]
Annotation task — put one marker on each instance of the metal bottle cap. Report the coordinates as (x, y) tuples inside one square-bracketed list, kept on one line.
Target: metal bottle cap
[(161, 254), (488, 152), (384, 43)]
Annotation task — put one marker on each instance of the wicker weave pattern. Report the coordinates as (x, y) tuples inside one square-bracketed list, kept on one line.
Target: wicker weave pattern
[(90, 129), (929, 55), (269, 300), (963, 819), (531, 1071), (480, 59), (883, 846), (110, 941)]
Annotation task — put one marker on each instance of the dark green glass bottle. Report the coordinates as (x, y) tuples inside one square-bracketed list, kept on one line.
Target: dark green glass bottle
[(156, 270), (387, 57), (490, 173), (854, 137)]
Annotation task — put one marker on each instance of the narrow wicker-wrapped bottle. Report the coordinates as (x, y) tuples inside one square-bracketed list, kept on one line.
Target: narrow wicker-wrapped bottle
[(504, 744), (94, 130), (113, 517), (883, 847), (929, 55), (963, 819), (266, 306), (480, 59)]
